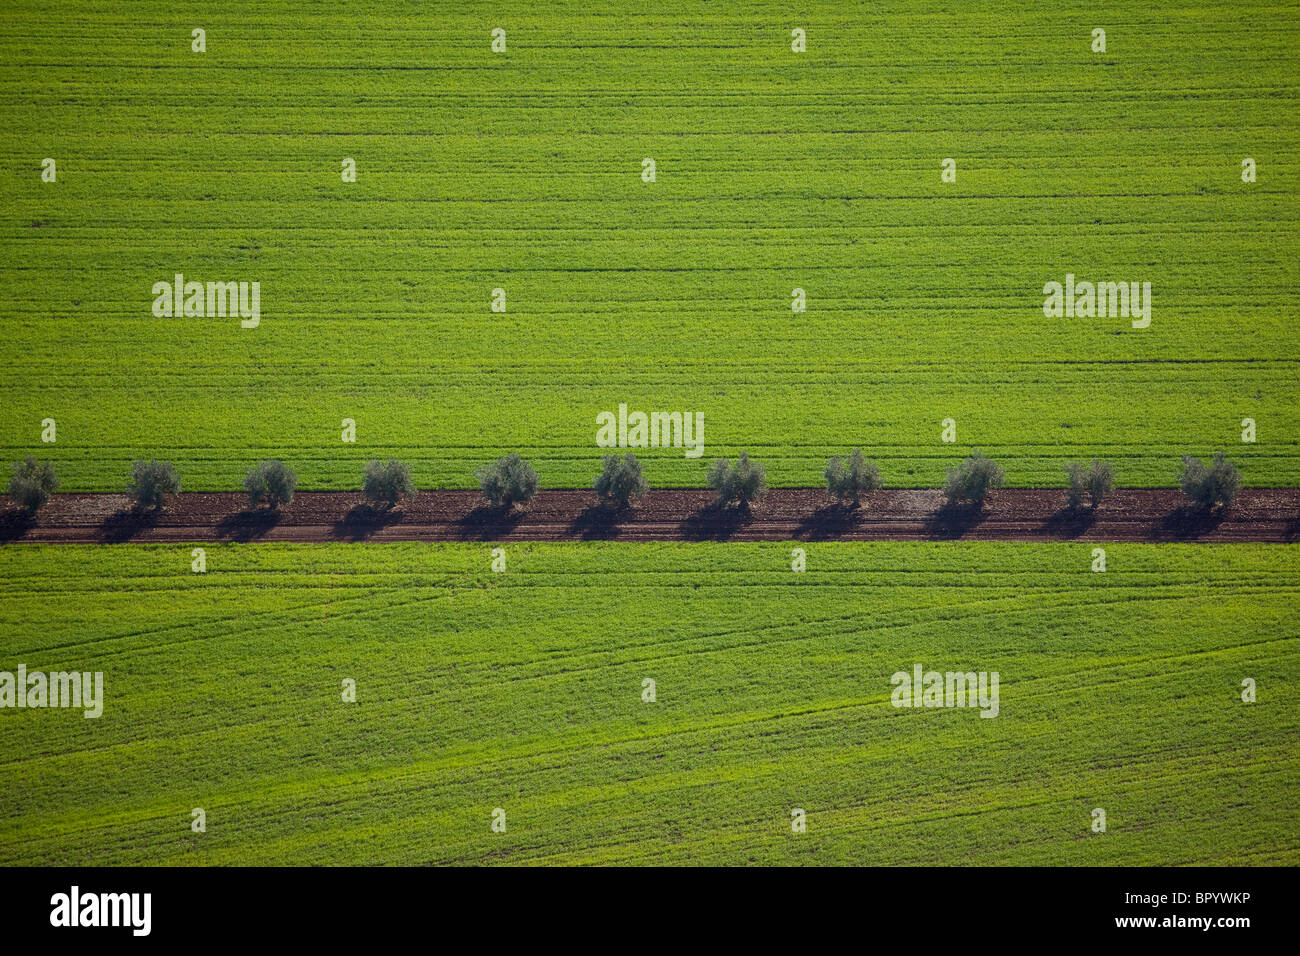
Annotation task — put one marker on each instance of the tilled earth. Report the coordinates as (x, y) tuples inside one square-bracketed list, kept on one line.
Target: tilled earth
[(663, 515)]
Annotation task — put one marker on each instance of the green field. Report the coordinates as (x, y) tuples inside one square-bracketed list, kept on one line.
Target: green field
[(522, 690), (775, 170)]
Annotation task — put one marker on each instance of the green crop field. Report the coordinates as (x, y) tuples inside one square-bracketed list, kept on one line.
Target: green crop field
[(522, 170), (467, 243), (523, 690)]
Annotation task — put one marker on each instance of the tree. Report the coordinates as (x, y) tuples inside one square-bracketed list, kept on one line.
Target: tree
[(620, 480), (272, 482), (32, 484), (1093, 482), (740, 483), (1208, 486), (507, 481), (385, 483), (970, 484), (847, 479), (151, 482)]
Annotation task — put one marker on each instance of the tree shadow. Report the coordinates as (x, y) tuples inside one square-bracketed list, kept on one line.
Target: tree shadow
[(363, 521), (125, 524), (952, 521), (1292, 530), (248, 525), (1190, 522), (486, 523), (599, 522), (715, 523), (1070, 522), (830, 521), (15, 523)]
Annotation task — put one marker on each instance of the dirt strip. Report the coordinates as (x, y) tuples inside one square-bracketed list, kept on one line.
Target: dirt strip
[(1269, 515)]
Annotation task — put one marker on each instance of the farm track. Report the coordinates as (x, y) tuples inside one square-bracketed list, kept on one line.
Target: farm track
[(1152, 515)]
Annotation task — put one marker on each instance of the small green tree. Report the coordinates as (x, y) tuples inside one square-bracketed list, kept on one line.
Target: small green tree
[(1208, 486), (620, 480), (970, 484), (385, 483), (32, 484), (272, 482), (507, 481), (1093, 482), (151, 482), (741, 483), (847, 479)]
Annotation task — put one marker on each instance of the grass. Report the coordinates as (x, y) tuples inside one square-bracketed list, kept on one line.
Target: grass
[(522, 690), (775, 170)]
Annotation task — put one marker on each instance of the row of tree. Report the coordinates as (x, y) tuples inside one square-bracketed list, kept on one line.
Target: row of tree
[(271, 484), (1207, 485), (511, 481)]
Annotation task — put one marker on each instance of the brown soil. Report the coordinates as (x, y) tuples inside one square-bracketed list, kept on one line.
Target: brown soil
[(665, 515)]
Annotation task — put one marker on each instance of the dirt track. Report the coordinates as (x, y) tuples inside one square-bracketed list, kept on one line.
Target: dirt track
[(664, 515)]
